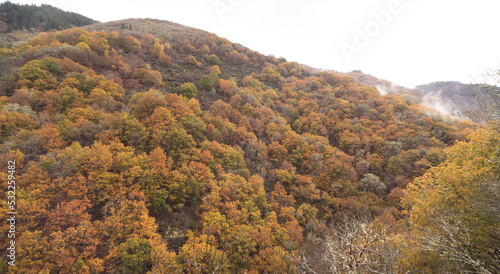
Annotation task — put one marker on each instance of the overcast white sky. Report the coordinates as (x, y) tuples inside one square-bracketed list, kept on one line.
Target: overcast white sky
[(408, 42)]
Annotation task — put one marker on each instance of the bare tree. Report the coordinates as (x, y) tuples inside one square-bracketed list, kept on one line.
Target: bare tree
[(450, 238), (356, 245), (487, 96)]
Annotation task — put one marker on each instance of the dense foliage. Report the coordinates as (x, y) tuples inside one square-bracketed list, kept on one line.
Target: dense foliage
[(157, 148), (42, 18)]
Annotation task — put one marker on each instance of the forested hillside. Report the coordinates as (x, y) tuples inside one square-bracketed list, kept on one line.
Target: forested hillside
[(40, 18), (144, 146)]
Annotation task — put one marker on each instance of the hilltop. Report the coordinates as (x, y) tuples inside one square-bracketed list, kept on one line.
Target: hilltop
[(19, 23), (39, 18)]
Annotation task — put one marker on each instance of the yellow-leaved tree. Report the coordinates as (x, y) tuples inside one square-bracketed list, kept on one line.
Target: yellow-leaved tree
[(454, 211)]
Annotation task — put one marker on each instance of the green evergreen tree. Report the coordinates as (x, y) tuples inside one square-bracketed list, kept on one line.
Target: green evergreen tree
[(206, 83)]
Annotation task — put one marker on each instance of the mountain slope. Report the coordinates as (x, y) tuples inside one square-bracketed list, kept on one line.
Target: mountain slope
[(181, 42), (181, 151)]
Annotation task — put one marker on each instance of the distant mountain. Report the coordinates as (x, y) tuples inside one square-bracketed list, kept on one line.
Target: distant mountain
[(475, 102), (41, 18), (478, 102)]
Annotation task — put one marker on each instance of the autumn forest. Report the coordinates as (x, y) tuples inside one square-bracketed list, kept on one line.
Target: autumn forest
[(144, 146)]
